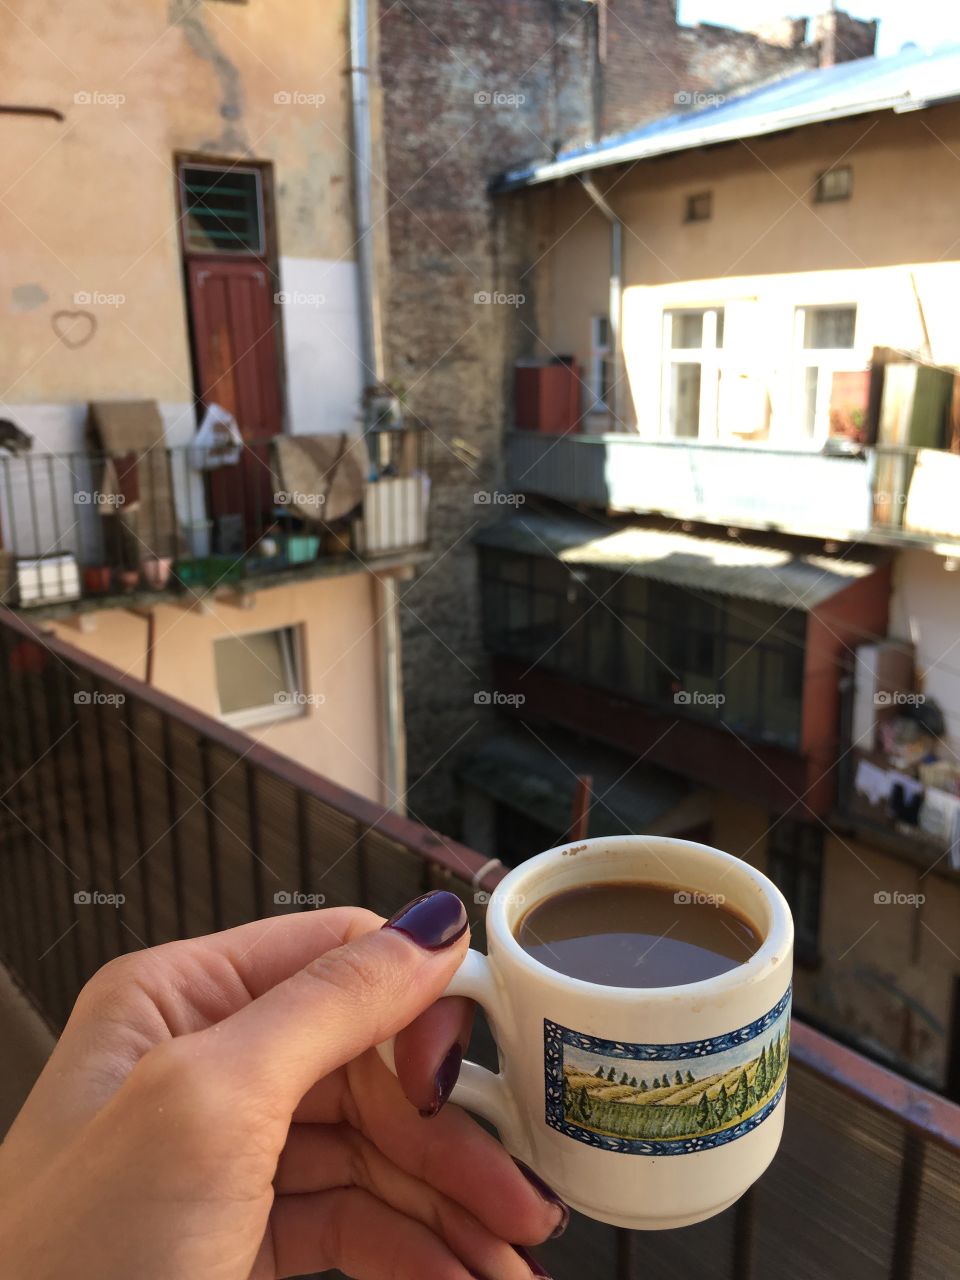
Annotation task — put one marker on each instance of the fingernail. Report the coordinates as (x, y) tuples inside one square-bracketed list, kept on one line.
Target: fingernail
[(532, 1263), (548, 1194), (444, 1080), (432, 921)]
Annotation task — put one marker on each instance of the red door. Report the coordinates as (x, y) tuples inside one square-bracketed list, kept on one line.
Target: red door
[(235, 354)]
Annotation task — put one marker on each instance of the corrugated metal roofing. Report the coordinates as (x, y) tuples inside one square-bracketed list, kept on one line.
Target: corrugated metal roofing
[(731, 568), (909, 81)]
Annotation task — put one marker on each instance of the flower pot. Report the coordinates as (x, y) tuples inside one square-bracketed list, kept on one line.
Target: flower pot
[(156, 572), (96, 579), (128, 579)]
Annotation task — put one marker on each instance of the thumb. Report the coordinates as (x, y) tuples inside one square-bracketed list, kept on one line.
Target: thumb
[(344, 1002)]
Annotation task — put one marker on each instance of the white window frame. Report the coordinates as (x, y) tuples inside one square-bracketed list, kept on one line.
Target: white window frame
[(708, 355), (270, 712), (600, 353), (827, 361)]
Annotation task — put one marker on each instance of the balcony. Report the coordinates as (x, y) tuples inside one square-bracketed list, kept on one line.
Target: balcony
[(212, 832), (85, 530), (885, 494)]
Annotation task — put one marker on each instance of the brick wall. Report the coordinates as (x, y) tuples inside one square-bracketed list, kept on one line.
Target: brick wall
[(468, 90)]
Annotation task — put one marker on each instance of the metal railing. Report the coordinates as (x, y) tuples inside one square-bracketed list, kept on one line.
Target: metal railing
[(858, 495), (128, 819), (85, 524)]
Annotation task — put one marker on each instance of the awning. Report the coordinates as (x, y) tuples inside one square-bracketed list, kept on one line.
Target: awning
[(730, 568), (535, 772)]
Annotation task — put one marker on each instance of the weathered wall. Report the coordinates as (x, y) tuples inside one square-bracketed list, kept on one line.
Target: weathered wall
[(338, 733), (90, 204), (468, 90)]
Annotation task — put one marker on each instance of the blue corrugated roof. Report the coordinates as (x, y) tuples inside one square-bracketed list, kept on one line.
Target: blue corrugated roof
[(907, 82)]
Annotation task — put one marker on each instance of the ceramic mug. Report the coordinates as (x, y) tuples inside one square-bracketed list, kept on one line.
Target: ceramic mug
[(644, 1108)]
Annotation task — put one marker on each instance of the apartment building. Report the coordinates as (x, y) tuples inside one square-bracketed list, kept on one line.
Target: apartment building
[(201, 482), (732, 558)]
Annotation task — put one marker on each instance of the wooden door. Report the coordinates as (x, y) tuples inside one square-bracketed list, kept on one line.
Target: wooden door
[(237, 366)]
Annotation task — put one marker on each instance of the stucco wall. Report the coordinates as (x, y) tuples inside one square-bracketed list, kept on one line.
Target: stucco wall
[(338, 737), (90, 204)]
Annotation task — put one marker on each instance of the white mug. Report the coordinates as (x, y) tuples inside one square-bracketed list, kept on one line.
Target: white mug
[(645, 1164)]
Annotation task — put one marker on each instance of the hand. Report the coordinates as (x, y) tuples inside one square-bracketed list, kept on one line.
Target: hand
[(215, 1108)]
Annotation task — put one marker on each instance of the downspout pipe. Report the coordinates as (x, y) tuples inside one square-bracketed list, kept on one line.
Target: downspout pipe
[(393, 752), (371, 332), (615, 300)]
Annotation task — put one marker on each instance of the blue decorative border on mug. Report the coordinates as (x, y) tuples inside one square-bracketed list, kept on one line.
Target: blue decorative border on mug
[(725, 1127)]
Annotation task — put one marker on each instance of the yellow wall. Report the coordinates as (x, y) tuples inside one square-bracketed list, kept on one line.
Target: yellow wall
[(338, 737), (767, 249), (887, 970), (90, 205)]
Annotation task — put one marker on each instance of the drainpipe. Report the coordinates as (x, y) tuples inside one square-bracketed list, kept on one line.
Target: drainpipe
[(393, 753), (616, 293)]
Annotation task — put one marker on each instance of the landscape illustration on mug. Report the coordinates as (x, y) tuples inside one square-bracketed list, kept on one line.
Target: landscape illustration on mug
[(666, 1099)]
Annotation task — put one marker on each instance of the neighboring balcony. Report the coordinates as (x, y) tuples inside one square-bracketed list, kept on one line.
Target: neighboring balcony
[(883, 494), (85, 529)]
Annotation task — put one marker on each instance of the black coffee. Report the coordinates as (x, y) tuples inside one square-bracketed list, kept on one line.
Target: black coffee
[(636, 935)]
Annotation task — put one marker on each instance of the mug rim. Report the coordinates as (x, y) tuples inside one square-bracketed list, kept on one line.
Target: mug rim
[(772, 952)]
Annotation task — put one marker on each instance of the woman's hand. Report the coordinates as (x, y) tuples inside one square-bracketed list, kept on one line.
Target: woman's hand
[(215, 1108)]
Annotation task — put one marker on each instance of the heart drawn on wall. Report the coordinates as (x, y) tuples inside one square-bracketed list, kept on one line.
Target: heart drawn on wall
[(74, 328)]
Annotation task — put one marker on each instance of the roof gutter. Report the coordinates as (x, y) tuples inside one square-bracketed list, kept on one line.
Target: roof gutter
[(615, 296)]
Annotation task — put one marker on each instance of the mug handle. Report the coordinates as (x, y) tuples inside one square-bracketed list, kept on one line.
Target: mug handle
[(477, 1089)]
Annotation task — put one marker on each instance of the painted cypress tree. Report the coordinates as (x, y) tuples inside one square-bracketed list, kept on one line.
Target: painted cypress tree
[(623, 1078), (760, 1079), (599, 1072), (740, 1094), (677, 1078), (688, 1078), (611, 1075), (643, 1086), (633, 1082), (568, 1100), (704, 1113), (720, 1105), (583, 1103)]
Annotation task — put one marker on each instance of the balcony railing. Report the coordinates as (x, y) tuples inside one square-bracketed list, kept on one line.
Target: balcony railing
[(128, 819), (85, 525), (881, 493)]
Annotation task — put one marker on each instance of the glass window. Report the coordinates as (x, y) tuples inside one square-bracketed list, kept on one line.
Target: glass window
[(257, 677), (826, 338), (795, 865), (222, 209), (691, 372), (601, 366)]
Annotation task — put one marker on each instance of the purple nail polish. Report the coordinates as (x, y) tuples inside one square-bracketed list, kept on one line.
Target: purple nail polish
[(432, 921), (548, 1194), (444, 1080), (535, 1268)]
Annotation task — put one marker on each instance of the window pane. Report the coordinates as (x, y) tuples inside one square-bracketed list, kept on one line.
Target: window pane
[(687, 330), (253, 670), (829, 328), (601, 338), (685, 399), (222, 210), (811, 385)]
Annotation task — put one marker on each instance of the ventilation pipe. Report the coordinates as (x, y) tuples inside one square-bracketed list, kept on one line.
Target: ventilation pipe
[(615, 296)]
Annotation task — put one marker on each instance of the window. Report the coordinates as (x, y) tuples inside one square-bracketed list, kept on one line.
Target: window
[(795, 865), (258, 677), (731, 662), (601, 367), (700, 207), (692, 341), (834, 184), (222, 209), (824, 341)]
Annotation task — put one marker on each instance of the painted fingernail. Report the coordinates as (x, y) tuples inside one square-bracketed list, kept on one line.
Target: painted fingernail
[(432, 921), (548, 1194), (444, 1080), (535, 1268)]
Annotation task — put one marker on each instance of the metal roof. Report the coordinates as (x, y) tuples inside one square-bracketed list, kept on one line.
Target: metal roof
[(772, 575), (909, 81)]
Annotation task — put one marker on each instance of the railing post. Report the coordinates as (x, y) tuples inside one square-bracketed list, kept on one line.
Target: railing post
[(908, 1205)]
